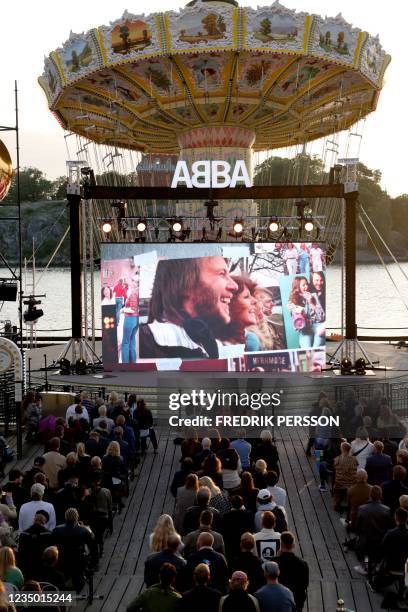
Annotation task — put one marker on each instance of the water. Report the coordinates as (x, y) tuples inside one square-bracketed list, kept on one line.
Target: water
[(378, 302)]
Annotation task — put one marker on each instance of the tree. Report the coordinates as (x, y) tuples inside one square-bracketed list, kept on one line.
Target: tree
[(59, 188), (33, 186), (265, 26)]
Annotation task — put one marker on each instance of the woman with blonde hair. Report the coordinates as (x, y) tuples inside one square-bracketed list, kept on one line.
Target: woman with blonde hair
[(115, 474), (84, 461), (185, 497), (163, 529), (218, 500), (9, 572), (259, 473)]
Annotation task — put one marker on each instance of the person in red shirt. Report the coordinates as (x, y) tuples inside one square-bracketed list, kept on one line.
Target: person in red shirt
[(130, 323), (120, 291)]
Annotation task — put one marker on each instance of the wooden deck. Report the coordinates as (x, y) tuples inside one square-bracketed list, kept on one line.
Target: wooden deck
[(318, 530)]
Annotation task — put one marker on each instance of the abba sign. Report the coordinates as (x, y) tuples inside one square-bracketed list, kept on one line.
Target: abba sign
[(207, 174)]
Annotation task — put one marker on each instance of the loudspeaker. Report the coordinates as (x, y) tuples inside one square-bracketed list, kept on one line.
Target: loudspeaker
[(8, 292)]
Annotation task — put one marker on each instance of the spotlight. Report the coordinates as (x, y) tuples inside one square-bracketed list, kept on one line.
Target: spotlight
[(65, 366), (273, 225), (80, 366), (108, 322), (309, 225), (8, 291), (176, 225), (32, 314), (107, 227), (346, 366), (360, 366), (238, 227), (141, 226)]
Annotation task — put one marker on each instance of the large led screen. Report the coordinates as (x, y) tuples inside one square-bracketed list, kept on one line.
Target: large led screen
[(214, 307)]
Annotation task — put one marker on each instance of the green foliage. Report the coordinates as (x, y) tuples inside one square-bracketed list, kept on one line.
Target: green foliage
[(33, 186)]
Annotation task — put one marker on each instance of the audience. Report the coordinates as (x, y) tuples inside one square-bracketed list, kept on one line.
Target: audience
[(201, 598), (238, 598), (274, 596), (294, 571)]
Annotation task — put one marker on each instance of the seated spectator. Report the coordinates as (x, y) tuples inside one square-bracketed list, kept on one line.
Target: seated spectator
[(231, 465), (393, 489), (201, 598), (190, 446), (186, 497), (294, 571), (361, 447), (28, 478), (192, 516), (179, 478), (8, 537), (249, 562), (203, 453), (170, 554), (247, 491), (162, 596), (163, 529), (243, 448), (99, 502), (212, 467), (237, 521), (69, 496), (128, 433), (125, 450), (54, 462), (93, 447), (215, 561), (71, 470), (403, 502), (7, 507), (345, 466), (77, 410), (190, 540), (15, 488), (32, 542), (267, 534), (218, 499), (326, 464), (65, 446), (373, 521), (9, 573), (104, 434), (389, 422), (143, 418), (30, 509), (259, 474), (267, 451), (274, 596), (394, 547), (238, 598), (46, 570), (278, 494), (115, 474), (265, 501), (357, 495), (112, 403), (72, 540), (378, 465)]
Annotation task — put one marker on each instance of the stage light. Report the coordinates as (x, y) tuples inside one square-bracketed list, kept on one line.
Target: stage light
[(274, 226), (238, 227), (176, 226), (346, 366), (360, 366), (8, 291), (80, 366), (32, 314), (65, 366), (107, 227), (309, 226), (108, 322), (141, 226)]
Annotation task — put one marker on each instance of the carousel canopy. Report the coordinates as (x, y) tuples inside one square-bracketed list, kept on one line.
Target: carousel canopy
[(143, 81)]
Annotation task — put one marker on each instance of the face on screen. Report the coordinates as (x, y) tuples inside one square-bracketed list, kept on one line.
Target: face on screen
[(213, 297)]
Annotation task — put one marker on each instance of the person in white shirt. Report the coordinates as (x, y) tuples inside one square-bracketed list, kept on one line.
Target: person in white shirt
[(316, 257), (290, 257), (102, 411), (29, 509), (77, 411), (267, 533), (361, 447), (278, 494)]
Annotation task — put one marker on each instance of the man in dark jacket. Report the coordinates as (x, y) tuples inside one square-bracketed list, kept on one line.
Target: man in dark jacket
[(238, 598), (179, 478), (73, 540), (373, 521), (234, 523), (215, 561), (170, 554), (201, 598), (249, 563), (394, 547), (294, 572), (192, 516), (393, 489), (378, 465), (32, 543)]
